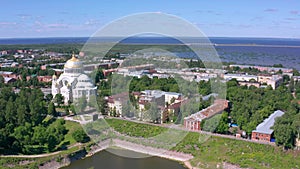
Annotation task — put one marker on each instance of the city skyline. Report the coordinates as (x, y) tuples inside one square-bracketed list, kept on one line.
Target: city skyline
[(272, 19)]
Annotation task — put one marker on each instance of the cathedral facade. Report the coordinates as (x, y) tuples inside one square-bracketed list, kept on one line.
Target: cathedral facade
[(73, 83)]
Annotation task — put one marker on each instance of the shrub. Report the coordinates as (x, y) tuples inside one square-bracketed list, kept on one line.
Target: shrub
[(80, 136)]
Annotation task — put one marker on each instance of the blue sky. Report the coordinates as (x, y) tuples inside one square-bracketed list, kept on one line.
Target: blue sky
[(219, 18)]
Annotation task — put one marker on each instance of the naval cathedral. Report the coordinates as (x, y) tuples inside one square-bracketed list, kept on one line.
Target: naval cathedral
[(73, 83)]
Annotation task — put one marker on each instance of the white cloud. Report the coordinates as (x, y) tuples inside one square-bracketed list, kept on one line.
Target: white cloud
[(271, 10), (92, 22)]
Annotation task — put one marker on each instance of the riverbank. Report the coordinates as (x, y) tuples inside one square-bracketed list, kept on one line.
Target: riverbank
[(168, 154), (151, 151), (180, 157)]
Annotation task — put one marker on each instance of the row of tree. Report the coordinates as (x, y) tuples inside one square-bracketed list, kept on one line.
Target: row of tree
[(22, 125), (251, 105)]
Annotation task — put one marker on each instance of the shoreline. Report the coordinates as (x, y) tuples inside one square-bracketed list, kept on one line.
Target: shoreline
[(180, 157)]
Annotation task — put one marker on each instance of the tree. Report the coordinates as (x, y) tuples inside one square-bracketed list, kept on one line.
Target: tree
[(72, 108), (7, 93), (39, 135), (296, 125), (284, 132), (56, 133), (98, 75), (52, 141), (212, 123), (10, 111), (34, 81), (49, 97), (59, 99), (1, 80), (284, 135), (80, 136), (51, 109), (279, 72), (23, 134), (204, 87), (102, 105), (292, 85), (67, 110), (21, 117), (37, 112), (278, 65), (223, 124)]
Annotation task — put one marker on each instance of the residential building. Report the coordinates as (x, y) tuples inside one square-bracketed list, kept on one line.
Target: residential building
[(158, 96), (115, 103), (8, 74), (265, 68), (240, 77), (248, 84), (275, 81)]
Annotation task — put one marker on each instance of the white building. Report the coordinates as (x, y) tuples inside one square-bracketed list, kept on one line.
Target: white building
[(73, 83), (273, 80), (158, 96), (240, 77)]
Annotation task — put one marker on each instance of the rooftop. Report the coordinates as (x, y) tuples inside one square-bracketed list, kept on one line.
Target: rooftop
[(5, 73), (218, 106), (265, 126), (239, 75)]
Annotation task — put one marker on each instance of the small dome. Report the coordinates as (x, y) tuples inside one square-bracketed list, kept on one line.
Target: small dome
[(73, 63), (84, 82)]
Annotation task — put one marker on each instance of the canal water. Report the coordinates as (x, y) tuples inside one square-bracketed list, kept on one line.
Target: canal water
[(107, 160)]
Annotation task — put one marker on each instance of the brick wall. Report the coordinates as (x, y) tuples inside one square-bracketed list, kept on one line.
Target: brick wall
[(261, 137)]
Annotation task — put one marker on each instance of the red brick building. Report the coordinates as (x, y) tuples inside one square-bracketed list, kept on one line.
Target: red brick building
[(44, 78), (263, 131), (193, 121)]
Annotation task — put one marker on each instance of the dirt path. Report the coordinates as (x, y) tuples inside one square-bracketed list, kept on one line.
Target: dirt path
[(32, 156), (40, 155)]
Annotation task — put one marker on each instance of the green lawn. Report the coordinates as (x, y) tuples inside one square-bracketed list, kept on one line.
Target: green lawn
[(245, 154), (210, 150), (135, 129), (71, 127)]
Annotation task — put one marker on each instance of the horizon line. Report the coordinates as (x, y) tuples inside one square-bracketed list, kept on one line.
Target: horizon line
[(249, 37)]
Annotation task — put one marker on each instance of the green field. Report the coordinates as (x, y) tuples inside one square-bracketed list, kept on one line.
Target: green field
[(135, 129), (71, 127), (216, 150)]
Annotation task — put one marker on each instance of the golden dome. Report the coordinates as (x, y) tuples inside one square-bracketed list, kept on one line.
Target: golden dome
[(73, 63)]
